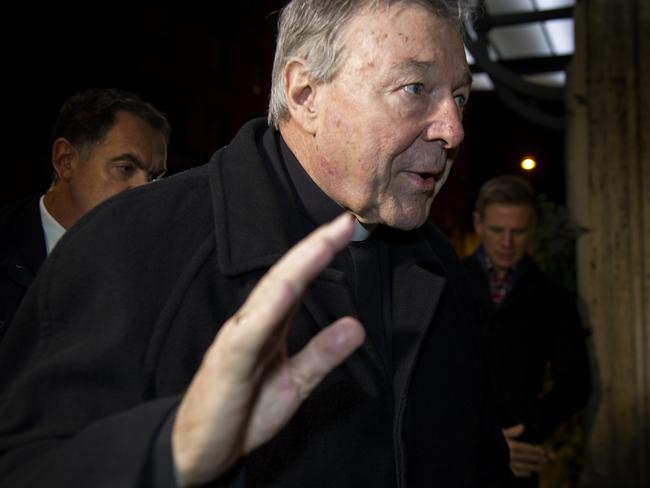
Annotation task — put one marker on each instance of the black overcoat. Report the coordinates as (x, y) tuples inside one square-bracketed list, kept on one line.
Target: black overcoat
[(537, 350), (123, 310), (22, 251)]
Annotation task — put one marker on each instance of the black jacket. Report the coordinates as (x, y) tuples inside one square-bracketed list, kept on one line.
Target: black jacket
[(535, 331), (115, 326), (22, 250)]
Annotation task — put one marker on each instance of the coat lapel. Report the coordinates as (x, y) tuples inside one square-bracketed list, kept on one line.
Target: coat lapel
[(251, 198), (328, 299), (418, 283)]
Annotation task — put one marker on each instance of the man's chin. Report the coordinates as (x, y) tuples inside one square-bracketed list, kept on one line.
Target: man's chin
[(407, 222), (407, 217), (503, 264)]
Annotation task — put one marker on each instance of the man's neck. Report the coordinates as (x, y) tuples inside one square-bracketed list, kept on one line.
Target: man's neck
[(319, 207), (58, 204), (501, 273), (298, 141)]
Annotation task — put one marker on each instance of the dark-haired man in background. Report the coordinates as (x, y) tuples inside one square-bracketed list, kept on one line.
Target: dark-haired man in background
[(105, 141), (536, 342)]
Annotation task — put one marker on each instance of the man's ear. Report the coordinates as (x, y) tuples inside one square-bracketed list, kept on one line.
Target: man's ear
[(63, 157), (478, 223), (300, 92)]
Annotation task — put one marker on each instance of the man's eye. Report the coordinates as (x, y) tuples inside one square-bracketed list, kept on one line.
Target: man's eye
[(414, 88), (126, 169), (460, 101)]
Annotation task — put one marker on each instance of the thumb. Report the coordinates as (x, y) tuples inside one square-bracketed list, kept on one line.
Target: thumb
[(514, 431)]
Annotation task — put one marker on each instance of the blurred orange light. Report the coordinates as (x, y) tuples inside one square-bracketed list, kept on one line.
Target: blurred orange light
[(528, 164)]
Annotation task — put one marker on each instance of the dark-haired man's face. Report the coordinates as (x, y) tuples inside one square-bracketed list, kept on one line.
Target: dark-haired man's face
[(505, 231), (131, 154)]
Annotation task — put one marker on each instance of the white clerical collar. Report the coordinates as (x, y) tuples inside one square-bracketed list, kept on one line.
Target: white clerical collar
[(52, 230), (361, 231)]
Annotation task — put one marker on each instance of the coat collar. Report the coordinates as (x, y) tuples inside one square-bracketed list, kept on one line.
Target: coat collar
[(23, 249), (252, 197), (527, 275), (419, 280)]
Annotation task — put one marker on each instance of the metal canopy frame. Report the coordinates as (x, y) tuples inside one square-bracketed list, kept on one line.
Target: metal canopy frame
[(538, 103)]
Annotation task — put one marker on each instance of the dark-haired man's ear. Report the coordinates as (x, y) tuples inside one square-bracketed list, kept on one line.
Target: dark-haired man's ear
[(300, 92), (63, 157)]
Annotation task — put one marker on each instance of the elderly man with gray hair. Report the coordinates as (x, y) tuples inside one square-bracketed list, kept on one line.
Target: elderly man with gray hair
[(194, 353)]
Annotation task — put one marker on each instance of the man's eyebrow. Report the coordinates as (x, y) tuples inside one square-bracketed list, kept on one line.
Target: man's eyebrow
[(128, 157), (413, 65), (410, 66), (155, 173)]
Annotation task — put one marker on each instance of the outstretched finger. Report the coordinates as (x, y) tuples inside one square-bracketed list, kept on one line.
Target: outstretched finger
[(264, 317), (329, 348), (278, 292), (284, 391)]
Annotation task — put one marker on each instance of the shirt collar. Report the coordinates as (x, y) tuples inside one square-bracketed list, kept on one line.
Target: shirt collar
[(512, 274), (52, 230)]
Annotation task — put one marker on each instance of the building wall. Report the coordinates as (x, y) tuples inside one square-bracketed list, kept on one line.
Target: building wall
[(608, 187)]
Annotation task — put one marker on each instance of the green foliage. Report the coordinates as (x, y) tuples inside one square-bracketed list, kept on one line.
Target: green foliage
[(566, 447), (554, 252), (554, 245)]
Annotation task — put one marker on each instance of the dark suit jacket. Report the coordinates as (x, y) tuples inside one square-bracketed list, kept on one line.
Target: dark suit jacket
[(22, 251), (535, 331), (128, 302)]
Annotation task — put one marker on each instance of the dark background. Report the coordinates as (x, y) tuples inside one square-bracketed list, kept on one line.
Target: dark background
[(208, 67)]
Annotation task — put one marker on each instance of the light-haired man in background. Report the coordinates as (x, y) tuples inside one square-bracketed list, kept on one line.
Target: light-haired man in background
[(536, 341)]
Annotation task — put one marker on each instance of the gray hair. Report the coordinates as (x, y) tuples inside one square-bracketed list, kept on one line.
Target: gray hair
[(312, 30)]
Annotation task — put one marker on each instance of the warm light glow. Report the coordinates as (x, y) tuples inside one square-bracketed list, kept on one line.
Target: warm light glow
[(528, 164)]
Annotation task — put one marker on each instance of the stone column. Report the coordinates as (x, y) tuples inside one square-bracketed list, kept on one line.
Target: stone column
[(608, 184)]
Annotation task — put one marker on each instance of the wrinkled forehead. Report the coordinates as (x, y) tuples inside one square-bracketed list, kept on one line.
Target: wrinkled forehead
[(375, 16), (438, 8), (405, 37), (510, 214)]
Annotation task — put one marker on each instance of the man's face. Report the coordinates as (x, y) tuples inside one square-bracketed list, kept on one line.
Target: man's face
[(505, 231), (391, 117), (132, 153)]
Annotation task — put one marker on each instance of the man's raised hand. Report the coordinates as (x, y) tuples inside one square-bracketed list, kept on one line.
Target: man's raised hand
[(247, 388)]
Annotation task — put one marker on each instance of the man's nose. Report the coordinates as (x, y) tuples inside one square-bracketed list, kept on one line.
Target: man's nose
[(446, 124), (508, 240), (139, 179)]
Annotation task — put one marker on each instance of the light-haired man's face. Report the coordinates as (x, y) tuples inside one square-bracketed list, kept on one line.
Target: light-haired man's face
[(505, 231), (391, 118)]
